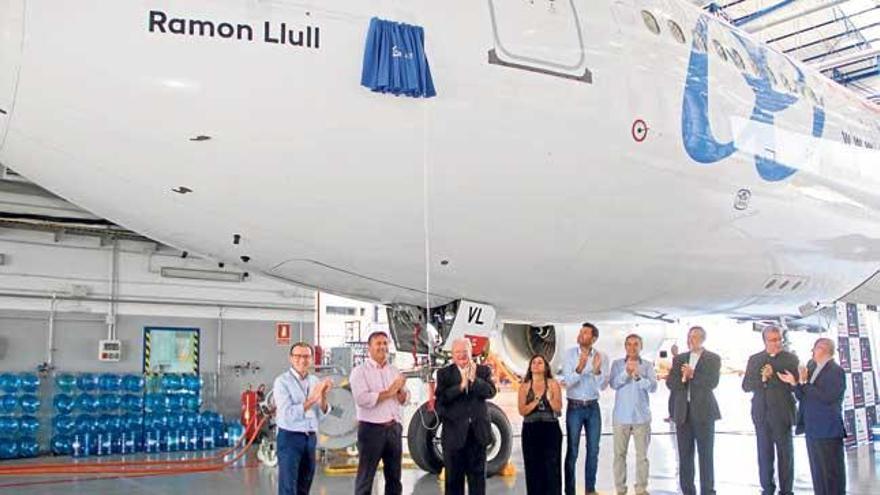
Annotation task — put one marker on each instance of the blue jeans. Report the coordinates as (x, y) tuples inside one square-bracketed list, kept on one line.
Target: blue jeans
[(588, 417), (296, 462)]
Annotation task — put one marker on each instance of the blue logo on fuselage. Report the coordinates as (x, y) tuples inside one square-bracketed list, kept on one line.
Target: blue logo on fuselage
[(699, 141)]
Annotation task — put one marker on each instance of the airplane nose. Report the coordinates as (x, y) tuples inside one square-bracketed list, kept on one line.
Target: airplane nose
[(11, 32)]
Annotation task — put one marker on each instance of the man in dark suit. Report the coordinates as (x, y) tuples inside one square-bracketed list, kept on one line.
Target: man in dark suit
[(693, 376), (773, 410), (820, 391), (462, 390)]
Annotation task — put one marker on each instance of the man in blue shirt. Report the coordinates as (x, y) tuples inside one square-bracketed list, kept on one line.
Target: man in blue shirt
[(633, 378), (585, 374), (300, 402)]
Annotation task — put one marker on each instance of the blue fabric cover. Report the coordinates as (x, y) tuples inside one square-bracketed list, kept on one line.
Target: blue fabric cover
[(395, 60)]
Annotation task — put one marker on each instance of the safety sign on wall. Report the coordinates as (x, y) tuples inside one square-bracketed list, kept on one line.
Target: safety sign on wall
[(282, 333)]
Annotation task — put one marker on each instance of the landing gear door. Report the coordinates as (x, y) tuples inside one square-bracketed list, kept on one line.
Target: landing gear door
[(542, 36), (11, 30), (473, 321)]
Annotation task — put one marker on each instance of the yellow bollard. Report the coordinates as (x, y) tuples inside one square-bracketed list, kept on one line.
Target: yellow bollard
[(508, 470), (442, 475)]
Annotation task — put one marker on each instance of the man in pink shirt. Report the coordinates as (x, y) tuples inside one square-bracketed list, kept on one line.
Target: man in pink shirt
[(379, 390)]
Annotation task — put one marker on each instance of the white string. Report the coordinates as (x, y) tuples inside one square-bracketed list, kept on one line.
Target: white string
[(425, 219)]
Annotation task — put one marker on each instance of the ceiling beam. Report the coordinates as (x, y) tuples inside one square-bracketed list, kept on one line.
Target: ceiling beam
[(820, 25), (760, 27)]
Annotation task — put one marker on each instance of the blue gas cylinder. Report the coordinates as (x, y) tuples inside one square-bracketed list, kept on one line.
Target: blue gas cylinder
[(192, 382), (109, 402), (28, 447), (83, 444), (104, 443), (87, 382), (63, 424), (10, 383), (30, 403), (65, 382), (133, 384), (234, 431), (154, 402), (84, 423), (132, 403), (8, 449), (208, 437), (86, 403), (109, 382), (171, 382), (9, 426), (8, 404), (60, 445), (152, 441), (29, 425), (30, 382), (64, 403), (171, 440), (132, 422), (191, 402), (174, 402)]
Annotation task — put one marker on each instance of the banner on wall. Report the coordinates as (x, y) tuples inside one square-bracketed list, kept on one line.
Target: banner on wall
[(855, 326)]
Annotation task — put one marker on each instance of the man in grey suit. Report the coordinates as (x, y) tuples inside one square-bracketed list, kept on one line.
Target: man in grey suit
[(693, 377)]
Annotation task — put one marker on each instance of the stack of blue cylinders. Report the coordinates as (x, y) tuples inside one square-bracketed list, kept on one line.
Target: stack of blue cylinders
[(100, 414), (19, 406)]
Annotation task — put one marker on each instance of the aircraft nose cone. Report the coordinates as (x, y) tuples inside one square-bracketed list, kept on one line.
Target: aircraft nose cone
[(11, 32)]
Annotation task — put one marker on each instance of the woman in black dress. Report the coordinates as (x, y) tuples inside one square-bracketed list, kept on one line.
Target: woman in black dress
[(540, 402)]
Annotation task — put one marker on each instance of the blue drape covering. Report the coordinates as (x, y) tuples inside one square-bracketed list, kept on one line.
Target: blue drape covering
[(395, 60)]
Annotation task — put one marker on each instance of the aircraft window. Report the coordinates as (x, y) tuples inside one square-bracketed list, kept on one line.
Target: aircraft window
[(699, 42), (650, 22), (676, 31), (772, 76), (753, 68), (719, 49), (785, 83), (737, 59), (810, 94)]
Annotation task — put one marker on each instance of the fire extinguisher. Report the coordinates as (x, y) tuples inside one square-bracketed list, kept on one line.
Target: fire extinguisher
[(249, 413)]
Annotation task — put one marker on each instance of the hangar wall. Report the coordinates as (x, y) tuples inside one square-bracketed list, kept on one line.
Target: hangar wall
[(77, 271)]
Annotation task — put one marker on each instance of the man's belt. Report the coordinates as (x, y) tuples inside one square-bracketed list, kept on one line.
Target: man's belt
[(386, 424), (581, 403)]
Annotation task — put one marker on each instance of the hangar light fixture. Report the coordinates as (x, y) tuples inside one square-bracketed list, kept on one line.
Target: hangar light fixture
[(192, 274)]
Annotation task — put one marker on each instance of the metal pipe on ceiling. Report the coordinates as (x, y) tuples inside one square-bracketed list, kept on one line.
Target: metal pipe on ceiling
[(741, 21), (760, 27), (821, 25), (833, 36), (845, 59)]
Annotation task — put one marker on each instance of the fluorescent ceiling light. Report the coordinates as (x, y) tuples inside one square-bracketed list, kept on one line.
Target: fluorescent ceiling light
[(173, 272)]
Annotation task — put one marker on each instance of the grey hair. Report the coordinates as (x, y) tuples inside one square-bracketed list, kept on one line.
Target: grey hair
[(827, 343), (768, 330), (698, 329), (467, 345)]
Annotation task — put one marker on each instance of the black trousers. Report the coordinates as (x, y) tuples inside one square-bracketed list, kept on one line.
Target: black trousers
[(467, 462), (378, 442), (701, 433), (775, 443), (542, 455), (827, 466)]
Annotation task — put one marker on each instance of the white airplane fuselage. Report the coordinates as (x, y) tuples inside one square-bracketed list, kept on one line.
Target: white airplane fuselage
[(573, 164)]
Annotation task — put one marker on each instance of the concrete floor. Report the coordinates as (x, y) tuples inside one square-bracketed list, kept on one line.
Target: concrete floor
[(735, 464)]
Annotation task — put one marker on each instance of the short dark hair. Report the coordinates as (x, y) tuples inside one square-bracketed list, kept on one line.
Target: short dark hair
[(302, 344), (634, 336), (375, 334), (593, 327)]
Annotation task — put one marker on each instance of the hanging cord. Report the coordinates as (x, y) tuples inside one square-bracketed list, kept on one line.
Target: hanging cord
[(426, 224)]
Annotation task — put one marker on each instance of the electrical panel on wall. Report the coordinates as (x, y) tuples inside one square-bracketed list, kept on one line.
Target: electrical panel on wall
[(110, 350)]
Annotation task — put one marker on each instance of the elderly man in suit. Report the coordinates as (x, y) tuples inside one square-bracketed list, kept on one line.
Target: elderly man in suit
[(820, 388), (463, 388), (692, 379)]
